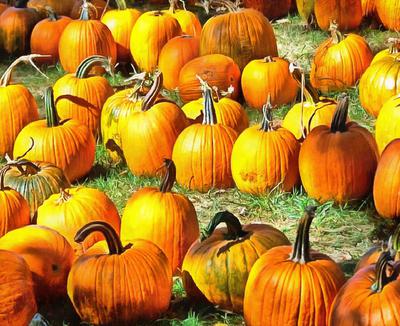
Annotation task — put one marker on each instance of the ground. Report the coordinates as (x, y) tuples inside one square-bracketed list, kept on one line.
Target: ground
[(343, 232)]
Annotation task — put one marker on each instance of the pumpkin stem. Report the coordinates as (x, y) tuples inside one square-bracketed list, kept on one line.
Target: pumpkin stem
[(381, 272), (235, 230), (210, 117), (3, 172), (19, 162), (310, 93), (268, 59), (173, 5), (394, 45), (121, 4), (267, 121), (151, 96), (113, 241), (336, 35), (51, 13), (218, 4), (64, 196), (394, 240), (52, 118), (338, 123), (95, 60), (170, 176), (301, 248)]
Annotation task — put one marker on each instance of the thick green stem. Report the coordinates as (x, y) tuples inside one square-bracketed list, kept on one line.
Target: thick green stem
[(235, 230), (340, 117), (52, 117), (121, 4), (151, 96), (267, 121), (382, 279), (95, 60), (395, 239), (170, 176)]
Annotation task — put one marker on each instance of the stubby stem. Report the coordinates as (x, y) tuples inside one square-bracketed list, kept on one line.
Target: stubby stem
[(394, 45), (268, 59), (337, 37), (52, 118), (64, 196), (235, 230), (85, 14), (95, 60), (339, 119), (113, 241), (121, 4), (51, 13), (301, 248), (267, 121), (170, 176), (381, 273), (151, 96)]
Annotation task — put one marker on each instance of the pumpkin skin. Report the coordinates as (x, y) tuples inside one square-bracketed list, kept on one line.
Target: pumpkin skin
[(264, 158), (81, 97), (166, 218), (286, 278), (60, 7), (67, 144), (148, 136), (188, 21), (272, 9), (268, 76), (218, 264), (174, 55), (216, 69), (17, 109), (70, 210), (16, 26), (3, 7), (120, 22), (46, 36), (17, 298), (338, 163), (388, 12), (202, 152), (96, 9), (83, 38), (368, 8), (346, 13), (151, 32), (243, 35), (340, 61), (48, 255), (370, 293), (139, 281)]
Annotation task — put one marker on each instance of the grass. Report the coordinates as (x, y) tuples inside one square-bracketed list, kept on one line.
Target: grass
[(343, 232)]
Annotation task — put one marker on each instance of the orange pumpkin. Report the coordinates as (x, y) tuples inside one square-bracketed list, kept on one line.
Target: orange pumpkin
[(60, 7), (272, 9), (369, 8), (138, 286), (188, 21), (388, 11), (3, 7), (96, 8), (67, 144)]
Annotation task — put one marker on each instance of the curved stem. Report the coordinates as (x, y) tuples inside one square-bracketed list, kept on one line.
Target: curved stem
[(266, 124), (235, 230), (51, 13), (113, 241), (301, 248), (170, 176), (337, 37), (95, 60), (3, 172), (394, 240), (210, 117), (121, 4), (52, 117), (151, 96), (310, 93), (338, 123), (382, 279)]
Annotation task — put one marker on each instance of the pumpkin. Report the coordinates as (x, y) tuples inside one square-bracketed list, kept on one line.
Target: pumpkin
[(3, 7), (272, 9), (17, 298), (388, 11), (264, 157), (339, 61), (313, 111), (368, 8), (60, 7), (16, 26), (306, 10), (83, 38), (80, 96), (268, 76), (218, 264), (48, 255), (393, 50), (188, 21), (73, 208), (151, 32), (166, 218), (216, 69), (242, 34), (346, 13), (202, 152), (174, 55), (379, 83), (15, 210), (338, 163), (292, 285), (369, 297), (67, 144), (139, 280), (228, 112), (46, 36), (149, 135), (96, 8), (120, 22), (17, 109)]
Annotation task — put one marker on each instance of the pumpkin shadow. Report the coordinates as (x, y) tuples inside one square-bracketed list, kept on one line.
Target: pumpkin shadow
[(97, 171), (232, 243), (84, 104)]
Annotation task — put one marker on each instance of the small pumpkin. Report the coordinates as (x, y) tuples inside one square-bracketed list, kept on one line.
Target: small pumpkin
[(218, 264), (67, 144), (139, 280), (288, 277), (188, 21)]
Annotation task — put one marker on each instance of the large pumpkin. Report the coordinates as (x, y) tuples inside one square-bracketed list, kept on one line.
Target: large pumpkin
[(242, 34), (338, 163), (83, 38), (272, 9), (73, 208), (149, 135), (388, 12), (218, 264), (202, 152), (80, 96), (339, 61), (17, 109), (67, 144), (164, 217), (292, 285), (264, 157), (48, 255), (138, 280), (60, 7)]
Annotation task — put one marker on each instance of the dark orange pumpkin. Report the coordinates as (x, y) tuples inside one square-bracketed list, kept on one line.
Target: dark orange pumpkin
[(388, 12), (137, 280), (272, 9), (292, 285), (218, 264)]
